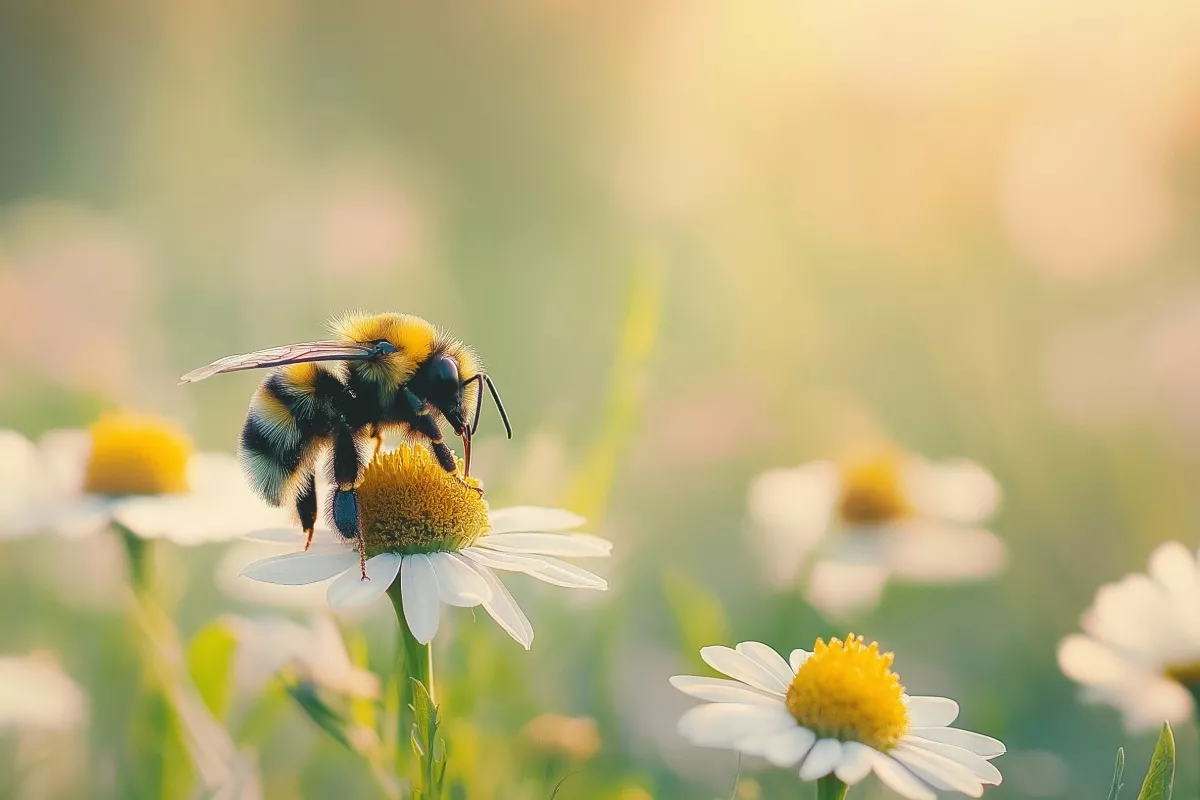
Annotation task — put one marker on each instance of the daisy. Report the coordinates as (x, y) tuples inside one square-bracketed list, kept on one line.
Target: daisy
[(137, 471), (863, 521), (434, 537), (1140, 650), (36, 694), (312, 654), (838, 711)]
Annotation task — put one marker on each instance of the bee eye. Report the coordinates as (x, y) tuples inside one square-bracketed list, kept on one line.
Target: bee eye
[(443, 372)]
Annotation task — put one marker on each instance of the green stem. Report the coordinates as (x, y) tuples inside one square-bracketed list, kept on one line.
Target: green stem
[(415, 660), (141, 557), (830, 788)]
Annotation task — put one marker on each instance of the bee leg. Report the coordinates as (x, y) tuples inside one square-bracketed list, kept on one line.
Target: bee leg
[(345, 499), (306, 507), (445, 457), (378, 439)]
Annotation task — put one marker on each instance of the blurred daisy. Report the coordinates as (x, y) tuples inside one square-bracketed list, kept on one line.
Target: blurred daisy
[(312, 654), (861, 522), (135, 470), (838, 711), (556, 735), (436, 539), (36, 694), (1140, 650)]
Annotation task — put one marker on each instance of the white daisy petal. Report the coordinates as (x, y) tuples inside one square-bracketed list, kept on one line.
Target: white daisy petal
[(824, 757), (720, 724), (577, 545), (509, 562), (931, 711), (797, 659), (856, 763), (1087, 661), (978, 766), (351, 590), (938, 771), (504, 609), (290, 536), (560, 573), (789, 746), (458, 584), (419, 591), (743, 668), (533, 519), (295, 569), (977, 743), (768, 659), (898, 778), (718, 690)]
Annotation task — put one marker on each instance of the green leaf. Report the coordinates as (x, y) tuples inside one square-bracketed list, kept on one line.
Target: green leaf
[(319, 712), (432, 759), (697, 611), (210, 665), (1161, 777), (1118, 771)]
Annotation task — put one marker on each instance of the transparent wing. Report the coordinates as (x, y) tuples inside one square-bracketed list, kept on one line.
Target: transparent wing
[(285, 354)]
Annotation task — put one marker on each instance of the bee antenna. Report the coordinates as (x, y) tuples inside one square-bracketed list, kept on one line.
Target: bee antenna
[(478, 378), (499, 404)]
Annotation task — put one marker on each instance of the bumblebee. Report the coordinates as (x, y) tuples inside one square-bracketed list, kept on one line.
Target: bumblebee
[(379, 373)]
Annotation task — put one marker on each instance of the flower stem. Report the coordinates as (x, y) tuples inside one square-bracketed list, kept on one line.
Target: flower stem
[(415, 660), (140, 555), (831, 788)]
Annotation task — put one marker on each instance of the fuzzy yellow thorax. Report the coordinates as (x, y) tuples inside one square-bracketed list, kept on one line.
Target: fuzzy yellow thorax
[(408, 504), (873, 491), (135, 454), (847, 691)]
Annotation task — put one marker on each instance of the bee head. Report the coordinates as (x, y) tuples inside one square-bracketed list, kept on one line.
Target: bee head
[(441, 386)]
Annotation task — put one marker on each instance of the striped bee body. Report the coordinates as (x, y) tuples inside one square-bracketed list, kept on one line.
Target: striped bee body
[(381, 373)]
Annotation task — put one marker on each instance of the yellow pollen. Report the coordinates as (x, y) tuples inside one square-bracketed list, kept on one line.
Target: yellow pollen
[(847, 691), (408, 504), (1186, 674), (873, 491), (136, 454)]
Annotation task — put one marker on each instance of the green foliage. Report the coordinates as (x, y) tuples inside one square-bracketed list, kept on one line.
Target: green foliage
[(1161, 776), (319, 712), (698, 613), (210, 665), (1118, 771), (428, 747)]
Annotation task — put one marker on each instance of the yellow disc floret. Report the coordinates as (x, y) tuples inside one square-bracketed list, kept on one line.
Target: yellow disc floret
[(408, 504), (873, 491), (847, 691), (135, 454)]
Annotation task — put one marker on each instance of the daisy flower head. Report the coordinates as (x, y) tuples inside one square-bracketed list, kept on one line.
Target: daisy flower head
[(1140, 646), (430, 535), (886, 514), (138, 471), (836, 711)]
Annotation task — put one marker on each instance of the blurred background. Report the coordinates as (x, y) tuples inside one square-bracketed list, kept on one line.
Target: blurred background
[(692, 242)]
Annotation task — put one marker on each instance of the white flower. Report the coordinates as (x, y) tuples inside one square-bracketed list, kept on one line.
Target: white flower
[(316, 654), (36, 694), (837, 710), (134, 470), (433, 534), (865, 521), (1140, 650)]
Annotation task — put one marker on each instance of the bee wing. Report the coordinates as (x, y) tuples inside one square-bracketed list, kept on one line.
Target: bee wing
[(284, 354)]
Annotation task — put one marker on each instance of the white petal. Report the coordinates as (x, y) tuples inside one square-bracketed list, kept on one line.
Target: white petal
[(1087, 661), (931, 711), (80, 516), (856, 763), (509, 562), (351, 590), (741, 667), (899, 779), (458, 584), (720, 724), (718, 690), (294, 569), (937, 552), (797, 659), (419, 590), (840, 589), (938, 771), (289, 536), (768, 659), (825, 755), (560, 573), (578, 545), (504, 609), (789, 746), (958, 490), (533, 519), (977, 743), (978, 766)]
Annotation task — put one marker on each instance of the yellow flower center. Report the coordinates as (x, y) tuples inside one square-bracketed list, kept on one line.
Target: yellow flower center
[(1186, 674), (408, 504), (873, 491), (847, 691), (136, 454)]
